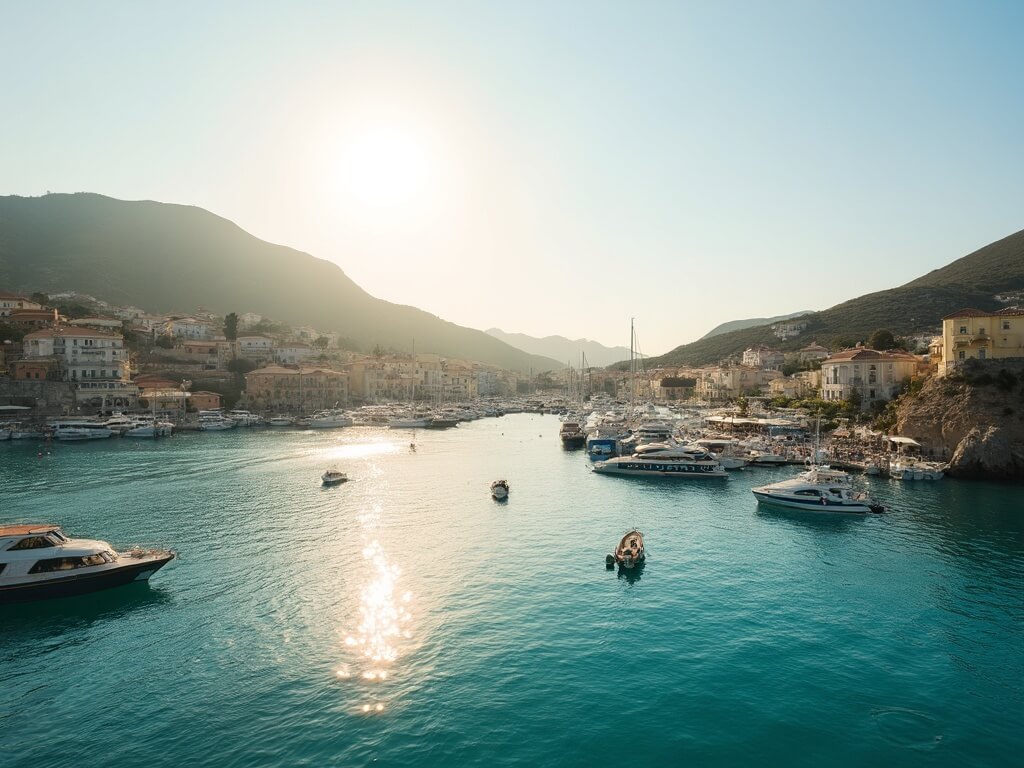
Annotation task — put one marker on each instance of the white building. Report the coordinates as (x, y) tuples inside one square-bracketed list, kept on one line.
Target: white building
[(255, 347), (95, 360), (290, 352), (188, 328)]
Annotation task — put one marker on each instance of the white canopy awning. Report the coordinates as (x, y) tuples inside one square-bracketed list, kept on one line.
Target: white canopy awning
[(903, 441)]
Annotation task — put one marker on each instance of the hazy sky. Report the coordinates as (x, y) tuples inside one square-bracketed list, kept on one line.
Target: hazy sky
[(545, 167)]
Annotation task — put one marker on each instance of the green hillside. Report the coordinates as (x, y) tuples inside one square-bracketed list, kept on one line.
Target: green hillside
[(753, 322), (917, 307), (167, 258)]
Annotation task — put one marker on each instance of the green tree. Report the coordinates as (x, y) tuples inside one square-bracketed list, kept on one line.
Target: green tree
[(744, 406), (321, 342), (882, 340), (164, 342), (231, 327), (40, 298)]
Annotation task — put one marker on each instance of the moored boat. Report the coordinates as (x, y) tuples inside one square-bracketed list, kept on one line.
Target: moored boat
[(500, 489), (679, 462), (819, 489), (630, 552), (39, 562)]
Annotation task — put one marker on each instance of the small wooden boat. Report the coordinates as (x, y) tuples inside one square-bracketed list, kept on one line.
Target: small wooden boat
[(333, 477), (499, 489), (630, 552)]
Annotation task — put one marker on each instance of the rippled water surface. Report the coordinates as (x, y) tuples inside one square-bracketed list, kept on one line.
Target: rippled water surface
[(407, 618)]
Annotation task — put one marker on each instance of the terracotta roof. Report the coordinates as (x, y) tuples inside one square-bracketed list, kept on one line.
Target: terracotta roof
[(967, 312), (862, 353), (1010, 311), (8, 295)]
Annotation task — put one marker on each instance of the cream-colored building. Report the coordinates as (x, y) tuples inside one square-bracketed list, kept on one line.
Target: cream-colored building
[(873, 375), (12, 301), (295, 390), (973, 334), (725, 382)]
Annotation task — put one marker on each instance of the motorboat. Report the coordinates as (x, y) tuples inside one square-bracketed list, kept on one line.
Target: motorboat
[(280, 421), (215, 423), (149, 428), (442, 422), (329, 420), (723, 449), (79, 429), (499, 489), (409, 422), (244, 418), (333, 477), (630, 552), (685, 462), (909, 468), (572, 435), (818, 489), (40, 561)]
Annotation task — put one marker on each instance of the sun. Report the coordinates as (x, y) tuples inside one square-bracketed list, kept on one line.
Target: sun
[(386, 167)]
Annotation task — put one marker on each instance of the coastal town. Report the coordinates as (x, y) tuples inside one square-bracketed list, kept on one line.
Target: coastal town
[(68, 355)]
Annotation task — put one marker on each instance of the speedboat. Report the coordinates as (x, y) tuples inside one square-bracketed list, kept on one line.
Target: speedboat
[(499, 489), (244, 418), (333, 477), (40, 561), (630, 553), (677, 462), (280, 421), (819, 489), (148, 428), (215, 423)]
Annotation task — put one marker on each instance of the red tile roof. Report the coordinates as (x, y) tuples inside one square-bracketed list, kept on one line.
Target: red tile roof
[(80, 332), (863, 353)]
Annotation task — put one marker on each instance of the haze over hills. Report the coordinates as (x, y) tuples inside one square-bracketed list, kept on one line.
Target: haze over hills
[(916, 307), (164, 257), (561, 348), (739, 325)]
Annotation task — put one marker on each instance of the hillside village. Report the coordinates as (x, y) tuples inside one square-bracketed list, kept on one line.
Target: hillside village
[(72, 353)]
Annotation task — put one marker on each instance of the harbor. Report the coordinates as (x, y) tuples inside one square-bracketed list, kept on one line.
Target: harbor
[(300, 623)]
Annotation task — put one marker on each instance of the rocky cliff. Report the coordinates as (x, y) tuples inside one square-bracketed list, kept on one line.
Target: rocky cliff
[(974, 418)]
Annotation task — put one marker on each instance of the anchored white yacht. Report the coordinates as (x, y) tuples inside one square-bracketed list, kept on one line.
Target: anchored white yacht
[(684, 462), (79, 429), (329, 420), (819, 489)]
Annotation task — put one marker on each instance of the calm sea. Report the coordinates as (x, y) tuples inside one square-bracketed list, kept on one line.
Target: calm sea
[(407, 619)]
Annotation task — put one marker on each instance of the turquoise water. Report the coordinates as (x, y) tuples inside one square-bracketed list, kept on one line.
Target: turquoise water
[(406, 618)]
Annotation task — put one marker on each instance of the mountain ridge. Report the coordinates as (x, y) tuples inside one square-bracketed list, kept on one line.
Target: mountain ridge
[(753, 322), (166, 256), (567, 349)]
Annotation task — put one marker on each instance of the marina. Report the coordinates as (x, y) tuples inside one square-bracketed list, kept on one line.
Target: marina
[(260, 644)]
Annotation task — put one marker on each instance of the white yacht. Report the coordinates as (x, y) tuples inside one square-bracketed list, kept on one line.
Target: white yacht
[(724, 449), (409, 422), (910, 468), (329, 420), (79, 429), (40, 561), (683, 462), (150, 428), (818, 489), (243, 418), (215, 421), (280, 421)]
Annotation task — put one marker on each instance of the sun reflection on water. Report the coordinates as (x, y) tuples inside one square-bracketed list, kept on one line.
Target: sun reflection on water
[(383, 622)]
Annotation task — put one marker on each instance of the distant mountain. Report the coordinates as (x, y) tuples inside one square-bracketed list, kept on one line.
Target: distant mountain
[(739, 325), (561, 348), (164, 257), (917, 307)]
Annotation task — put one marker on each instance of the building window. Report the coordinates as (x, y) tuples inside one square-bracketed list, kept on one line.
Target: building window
[(960, 355), (32, 542), (1006, 325), (981, 354), (963, 329), (871, 393)]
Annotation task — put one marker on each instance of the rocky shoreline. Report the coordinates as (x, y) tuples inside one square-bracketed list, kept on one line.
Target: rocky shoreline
[(974, 418)]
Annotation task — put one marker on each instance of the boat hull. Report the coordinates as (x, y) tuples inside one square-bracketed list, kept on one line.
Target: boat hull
[(682, 472), (813, 504), (83, 583)]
